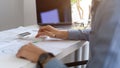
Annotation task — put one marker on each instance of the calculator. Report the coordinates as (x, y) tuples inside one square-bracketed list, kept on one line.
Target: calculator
[(22, 35)]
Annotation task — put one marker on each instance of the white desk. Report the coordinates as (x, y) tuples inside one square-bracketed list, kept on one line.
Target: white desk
[(60, 48)]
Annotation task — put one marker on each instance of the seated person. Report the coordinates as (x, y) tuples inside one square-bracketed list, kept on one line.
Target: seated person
[(104, 40)]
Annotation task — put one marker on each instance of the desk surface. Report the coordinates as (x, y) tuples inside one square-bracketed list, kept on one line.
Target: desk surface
[(60, 48)]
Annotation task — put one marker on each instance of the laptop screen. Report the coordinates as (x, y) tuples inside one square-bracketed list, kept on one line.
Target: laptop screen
[(53, 12), (49, 17)]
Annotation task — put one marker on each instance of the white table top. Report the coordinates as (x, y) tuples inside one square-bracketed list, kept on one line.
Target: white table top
[(60, 48)]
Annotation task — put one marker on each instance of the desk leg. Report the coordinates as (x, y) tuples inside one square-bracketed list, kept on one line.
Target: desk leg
[(82, 54), (85, 54), (78, 56)]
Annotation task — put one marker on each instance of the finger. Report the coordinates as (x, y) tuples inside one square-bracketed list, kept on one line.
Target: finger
[(46, 28), (23, 48), (22, 54), (40, 31), (19, 53), (43, 28), (28, 56), (49, 34), (46, 33), (39, 34)]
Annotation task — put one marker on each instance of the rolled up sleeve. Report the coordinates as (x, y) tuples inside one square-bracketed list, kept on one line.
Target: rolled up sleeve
[(54, 63), (79, 34)]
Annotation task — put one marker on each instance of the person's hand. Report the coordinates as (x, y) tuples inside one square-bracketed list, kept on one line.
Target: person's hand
[(47, 30), (30, 52), (52, 32)]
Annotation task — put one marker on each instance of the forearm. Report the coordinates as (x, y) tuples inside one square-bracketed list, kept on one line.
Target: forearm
[(79, 34), (48, 60), (53, 63), (73, 34), (63, 34)]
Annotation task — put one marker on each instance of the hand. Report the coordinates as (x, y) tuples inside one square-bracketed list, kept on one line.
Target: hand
[(52, 32), (30, 52)]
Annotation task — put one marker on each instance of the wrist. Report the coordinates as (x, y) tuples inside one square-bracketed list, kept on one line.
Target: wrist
[(63, 34), (44, 58)]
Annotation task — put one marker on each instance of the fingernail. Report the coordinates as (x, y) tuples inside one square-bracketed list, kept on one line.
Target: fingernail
[(36, 36)]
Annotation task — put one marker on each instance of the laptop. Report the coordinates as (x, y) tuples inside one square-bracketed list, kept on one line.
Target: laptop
[(55, 13)]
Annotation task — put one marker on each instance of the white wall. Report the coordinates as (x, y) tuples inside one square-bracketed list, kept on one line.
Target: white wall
[(30, 12), (11, 14), (15, 13)]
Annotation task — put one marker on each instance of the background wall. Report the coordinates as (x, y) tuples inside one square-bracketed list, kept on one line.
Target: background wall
[(11, 14), (15, 13), (30, 12)]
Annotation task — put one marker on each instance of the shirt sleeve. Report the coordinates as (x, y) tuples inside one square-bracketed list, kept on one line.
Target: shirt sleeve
[(79, 34), (54, 63)]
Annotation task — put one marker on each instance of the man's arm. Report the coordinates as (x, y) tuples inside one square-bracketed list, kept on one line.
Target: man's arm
[(64, 34), (79, 34), (33, 53), (74, 35), (54, 63)]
